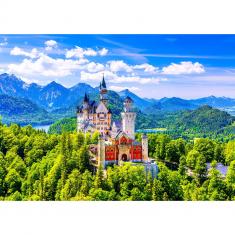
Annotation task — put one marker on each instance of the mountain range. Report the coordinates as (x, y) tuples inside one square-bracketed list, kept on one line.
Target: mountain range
[(54, 100), (50, 97)]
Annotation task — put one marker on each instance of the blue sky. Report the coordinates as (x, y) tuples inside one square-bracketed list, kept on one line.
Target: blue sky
[(152, 66)]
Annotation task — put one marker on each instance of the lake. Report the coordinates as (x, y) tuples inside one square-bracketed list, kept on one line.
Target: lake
[(42, 127), (151, 131)]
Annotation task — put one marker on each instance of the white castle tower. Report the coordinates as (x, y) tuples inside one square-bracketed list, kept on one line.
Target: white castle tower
[(128, 118)]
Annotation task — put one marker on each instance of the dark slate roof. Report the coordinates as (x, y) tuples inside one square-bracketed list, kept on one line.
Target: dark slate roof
[(86, 98), (109, 110), (118, 134), (118, 124), (103, 83), (79, 109), (92, 105), (128, 98)]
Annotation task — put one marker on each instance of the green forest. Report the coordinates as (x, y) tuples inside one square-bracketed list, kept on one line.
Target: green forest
[(35, 165)]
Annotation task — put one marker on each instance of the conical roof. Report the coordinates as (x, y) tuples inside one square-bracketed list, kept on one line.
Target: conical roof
[(103, 83), (86, 98), (128, 98)]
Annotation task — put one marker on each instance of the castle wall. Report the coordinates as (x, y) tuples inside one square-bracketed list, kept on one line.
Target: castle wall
[(145, 148), (110, 153), (117, 151), (128, 123), (136, 152)]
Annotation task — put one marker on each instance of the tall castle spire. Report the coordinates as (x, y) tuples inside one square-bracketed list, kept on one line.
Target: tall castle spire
[(103, 91), (103, 83), (86, 98)]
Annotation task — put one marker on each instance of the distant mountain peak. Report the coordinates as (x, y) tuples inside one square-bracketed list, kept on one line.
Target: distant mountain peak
[(10, 77), (54, 84), (212, 97)]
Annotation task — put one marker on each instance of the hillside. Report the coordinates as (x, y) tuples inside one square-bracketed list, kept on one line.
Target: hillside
[(22, 111), (204, 120), (63, 125)]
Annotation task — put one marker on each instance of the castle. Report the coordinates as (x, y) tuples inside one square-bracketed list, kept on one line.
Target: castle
[(117, 142)]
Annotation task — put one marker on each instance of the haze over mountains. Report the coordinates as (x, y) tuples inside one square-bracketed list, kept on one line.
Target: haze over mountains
[(54, 98)]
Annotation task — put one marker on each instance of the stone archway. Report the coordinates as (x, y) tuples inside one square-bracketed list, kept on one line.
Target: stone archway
[(124, 157)]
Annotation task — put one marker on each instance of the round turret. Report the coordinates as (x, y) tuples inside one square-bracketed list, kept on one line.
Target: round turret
[(128, 104)]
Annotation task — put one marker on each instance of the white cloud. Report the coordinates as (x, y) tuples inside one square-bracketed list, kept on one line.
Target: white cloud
[(146, 67), (103, 52), (47, 66), (89, 52), (114, 78), (94, 67), (84, 76), (39, 65), (186, 67), (34, 53), (119, 65), (79, 52), (120, 88), (50, 44)]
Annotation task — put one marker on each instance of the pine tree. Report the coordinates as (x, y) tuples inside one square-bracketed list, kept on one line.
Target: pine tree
[(182, 166), (79, 140), (157, 191), (99, 178)]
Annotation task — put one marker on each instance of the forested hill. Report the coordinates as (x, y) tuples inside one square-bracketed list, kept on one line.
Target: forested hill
[(202, 120), (20, 110)]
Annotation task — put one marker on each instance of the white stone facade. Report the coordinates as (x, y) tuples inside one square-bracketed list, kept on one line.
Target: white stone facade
[(128, 123)]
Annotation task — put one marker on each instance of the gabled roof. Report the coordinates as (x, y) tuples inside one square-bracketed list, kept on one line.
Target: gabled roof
[(120, 134), (101, 108)]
